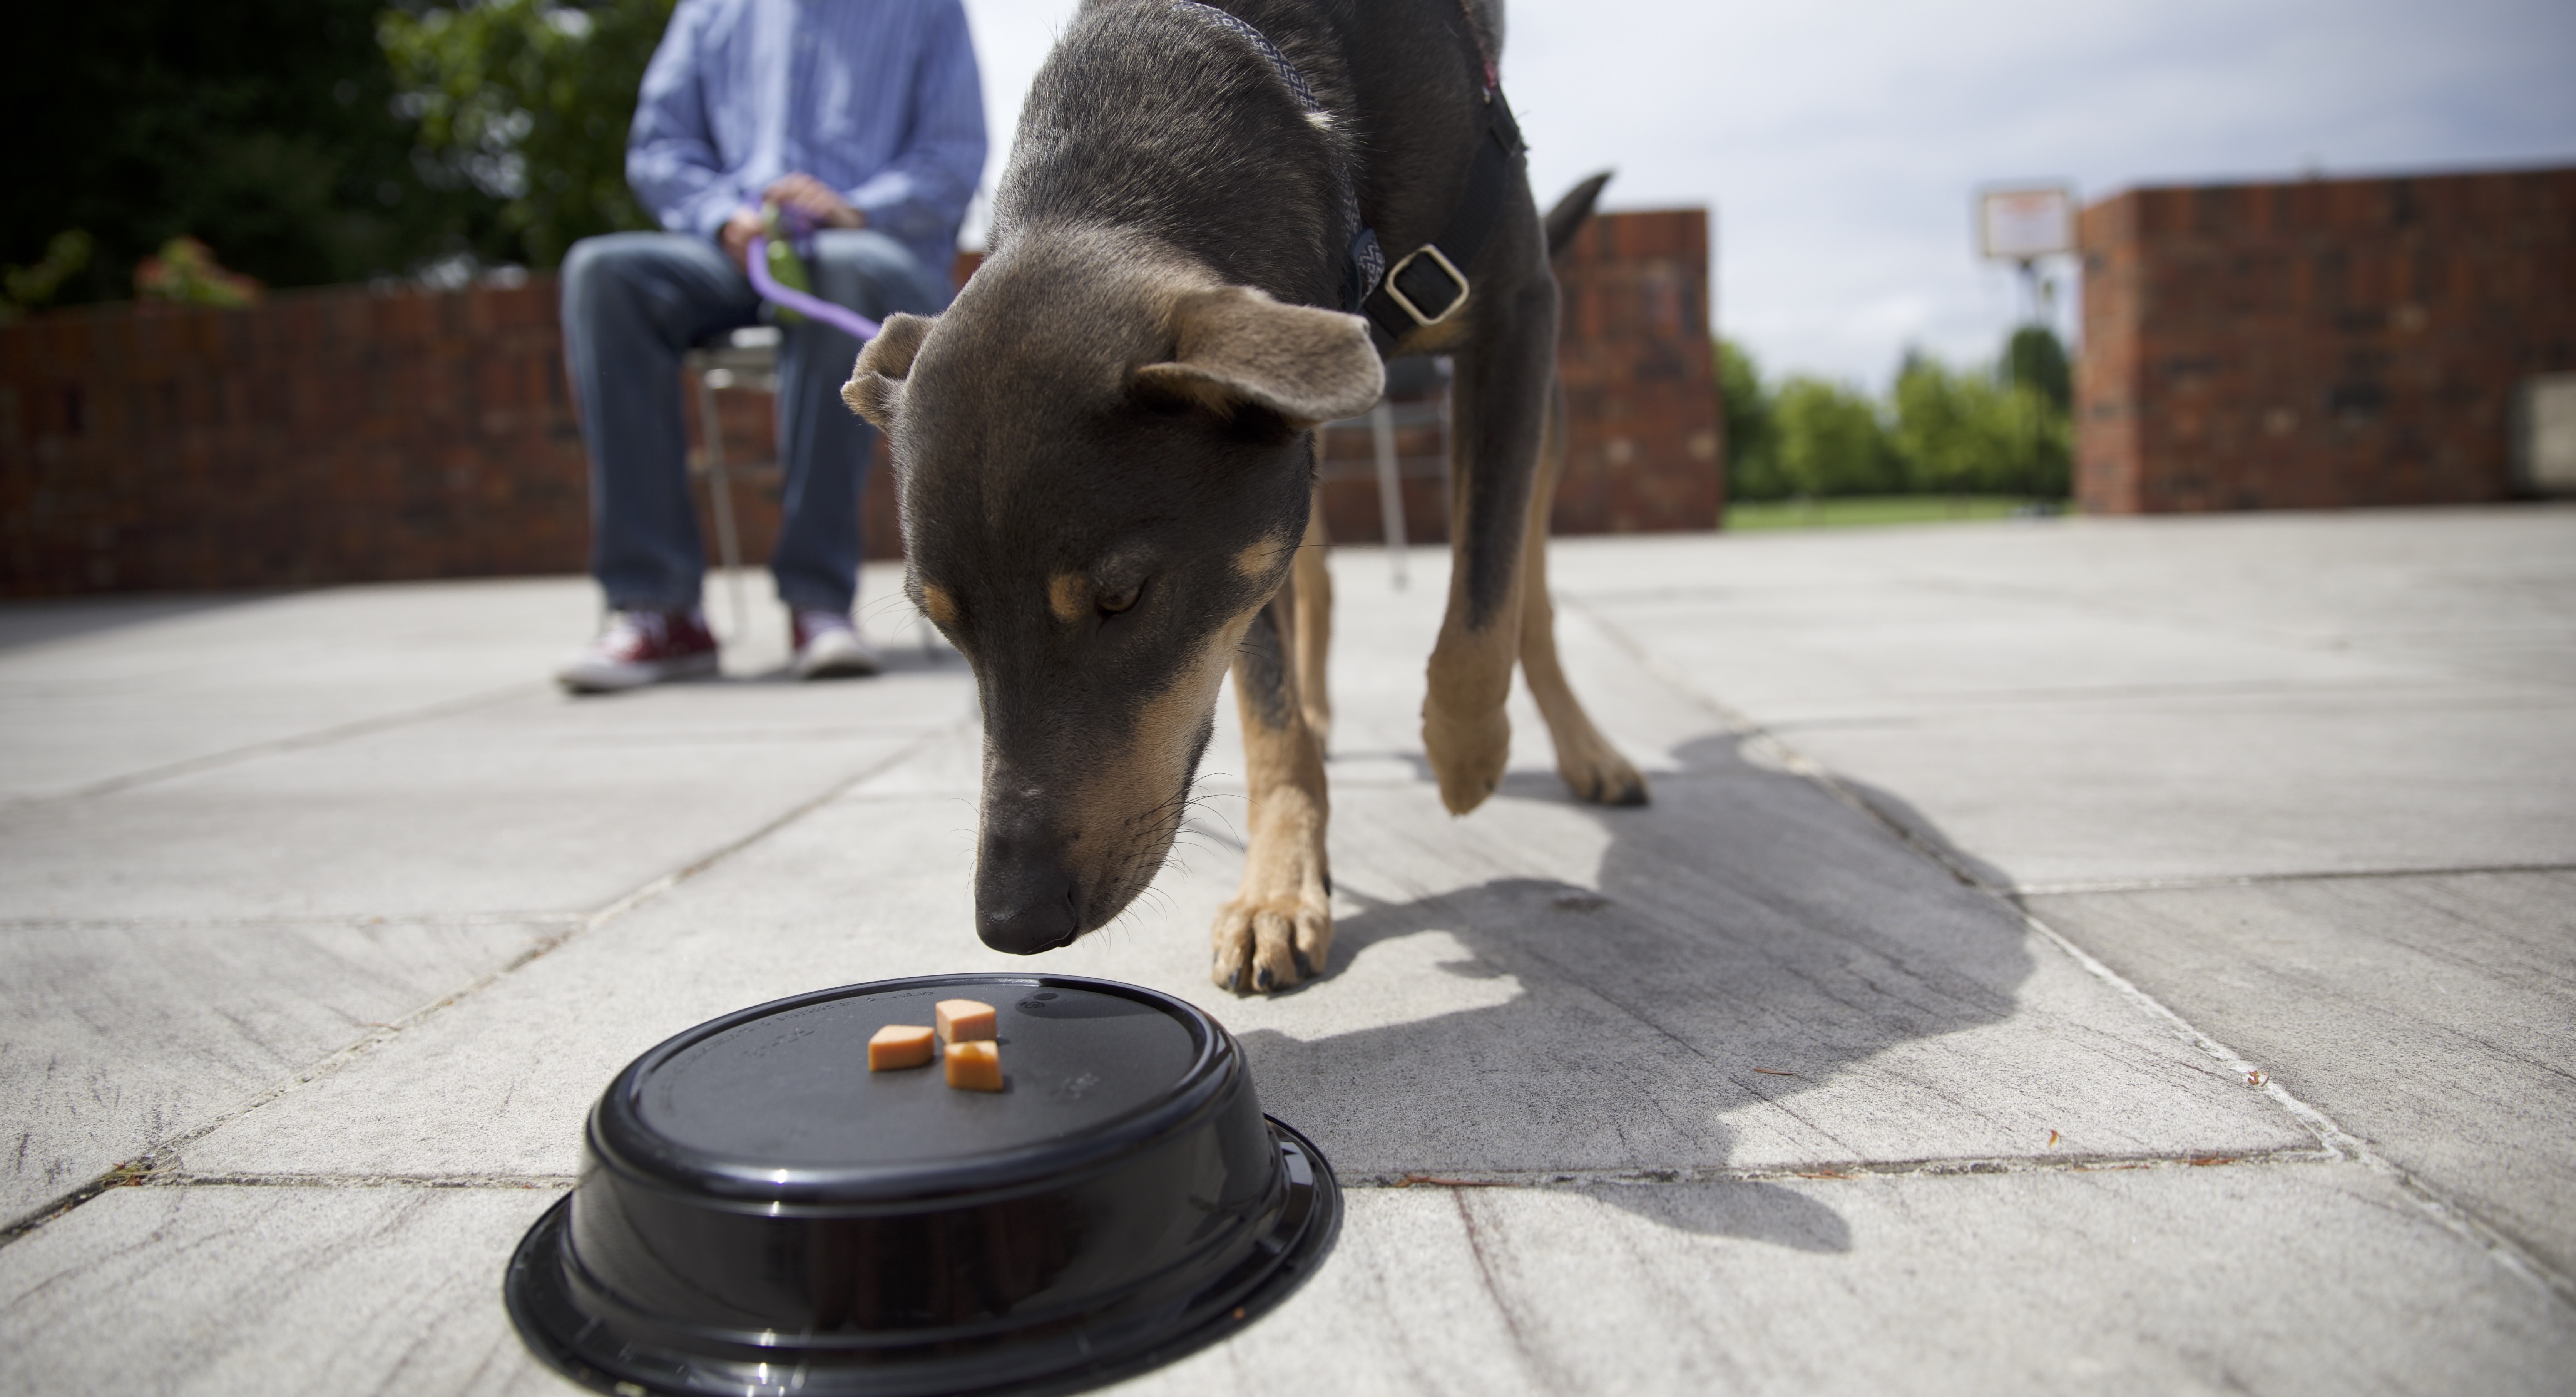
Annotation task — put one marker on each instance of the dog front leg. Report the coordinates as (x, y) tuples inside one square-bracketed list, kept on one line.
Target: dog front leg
[(1279, 927), (1314, 586), (1498, 414)]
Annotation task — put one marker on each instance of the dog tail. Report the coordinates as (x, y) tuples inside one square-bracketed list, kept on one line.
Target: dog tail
[(1571, 213)]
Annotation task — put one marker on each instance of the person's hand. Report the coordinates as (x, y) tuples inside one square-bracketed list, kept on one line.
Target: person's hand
[(817, 199), (736, 235)]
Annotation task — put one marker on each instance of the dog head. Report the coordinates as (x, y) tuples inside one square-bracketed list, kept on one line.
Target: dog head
[(1105, 460)]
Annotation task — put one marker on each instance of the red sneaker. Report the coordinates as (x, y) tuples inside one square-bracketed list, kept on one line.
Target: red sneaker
[(637, 648), (828, 646)]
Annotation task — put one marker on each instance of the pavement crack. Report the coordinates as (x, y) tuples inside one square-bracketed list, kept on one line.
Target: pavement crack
[(2053, 1162), (2331, 1135), (297, 742), (1549, 1380), (267, 923), (168, 1153), (180, 1178), (2077, 886), (125, 1175), (1759, 741)]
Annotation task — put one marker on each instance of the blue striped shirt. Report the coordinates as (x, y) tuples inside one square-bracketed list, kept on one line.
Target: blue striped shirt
[(877, 98)]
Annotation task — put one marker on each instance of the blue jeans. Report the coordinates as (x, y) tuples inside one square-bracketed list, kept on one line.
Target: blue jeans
[(633, 303)]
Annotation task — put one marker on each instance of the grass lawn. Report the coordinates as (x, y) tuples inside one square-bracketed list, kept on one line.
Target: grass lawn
[(1874, 509)]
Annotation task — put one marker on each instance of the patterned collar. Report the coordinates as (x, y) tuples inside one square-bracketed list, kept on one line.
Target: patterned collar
[(1364, 263)]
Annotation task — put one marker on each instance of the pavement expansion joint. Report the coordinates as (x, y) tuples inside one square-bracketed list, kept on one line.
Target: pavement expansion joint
[(1762, 745), (1962, 701), (2443, 1210), (122, 1176), (298, 742), (180, 1178), (2139, 615), (2075, 887), (264, 923), (177, 1175), (2066, 1163), (172, 1150)]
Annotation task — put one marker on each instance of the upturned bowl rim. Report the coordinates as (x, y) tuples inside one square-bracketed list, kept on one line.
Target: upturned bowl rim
[(622, 1144)]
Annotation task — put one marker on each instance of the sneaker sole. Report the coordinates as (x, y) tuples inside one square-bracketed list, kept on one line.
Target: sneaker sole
[(838, 667), (621, 678)]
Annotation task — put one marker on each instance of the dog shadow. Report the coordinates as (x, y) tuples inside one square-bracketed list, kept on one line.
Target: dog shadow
[(1750, 938)]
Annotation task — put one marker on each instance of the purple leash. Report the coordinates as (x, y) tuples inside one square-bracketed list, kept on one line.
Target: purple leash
[(840, 318)]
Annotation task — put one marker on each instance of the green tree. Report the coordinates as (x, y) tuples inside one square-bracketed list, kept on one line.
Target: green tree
[(1752, 448), (2034, 359), (527, 102), (2003, 431), (22, 289), (1831, 441), (1961, 433), (260, 127)]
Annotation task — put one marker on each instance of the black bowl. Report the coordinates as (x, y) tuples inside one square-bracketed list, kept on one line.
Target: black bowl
[(757, 1212)]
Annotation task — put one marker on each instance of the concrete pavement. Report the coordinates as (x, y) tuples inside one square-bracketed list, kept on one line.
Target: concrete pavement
[(1907, 1042)]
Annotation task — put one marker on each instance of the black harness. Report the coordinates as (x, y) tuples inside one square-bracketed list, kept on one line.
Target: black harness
[(1427, 285)]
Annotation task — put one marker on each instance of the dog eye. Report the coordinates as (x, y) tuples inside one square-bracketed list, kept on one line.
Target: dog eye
[(1111, 603)]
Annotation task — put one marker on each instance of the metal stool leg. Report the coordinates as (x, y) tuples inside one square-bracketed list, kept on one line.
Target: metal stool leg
[(720, 496), (1390, 493)]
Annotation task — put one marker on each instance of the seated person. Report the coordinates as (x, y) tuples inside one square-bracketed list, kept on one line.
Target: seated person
[(870, 119)]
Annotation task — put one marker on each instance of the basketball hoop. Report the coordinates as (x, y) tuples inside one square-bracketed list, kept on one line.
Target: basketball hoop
[(2024, 223)]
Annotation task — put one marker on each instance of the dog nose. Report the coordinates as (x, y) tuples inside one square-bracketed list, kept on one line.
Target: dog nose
[(1040, 918), (1024, 900)]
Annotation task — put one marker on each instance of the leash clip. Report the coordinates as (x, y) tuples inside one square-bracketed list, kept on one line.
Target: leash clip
[(1449, 269)]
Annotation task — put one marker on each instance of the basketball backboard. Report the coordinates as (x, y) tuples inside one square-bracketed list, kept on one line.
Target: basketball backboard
[(2019, 224), (2545, 436)]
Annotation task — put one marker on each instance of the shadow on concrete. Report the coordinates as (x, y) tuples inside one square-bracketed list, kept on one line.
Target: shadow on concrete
[(27, 623), (1748, 938), (1889, 807), (1917, 826), (1749, 1211)]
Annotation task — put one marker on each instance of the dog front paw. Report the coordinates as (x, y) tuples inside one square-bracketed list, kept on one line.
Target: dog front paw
[(1468, 753), (1272, 941)]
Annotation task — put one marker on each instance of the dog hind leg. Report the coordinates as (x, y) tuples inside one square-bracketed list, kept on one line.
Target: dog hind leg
[(1279, 927), (1592, 768), (1500, 400)]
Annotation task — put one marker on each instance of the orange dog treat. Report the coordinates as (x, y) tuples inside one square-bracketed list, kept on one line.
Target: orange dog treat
[(899, 1045), (964, 1020), (975, 1066)]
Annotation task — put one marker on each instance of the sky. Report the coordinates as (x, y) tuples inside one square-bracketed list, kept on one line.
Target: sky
[(1840, 146)]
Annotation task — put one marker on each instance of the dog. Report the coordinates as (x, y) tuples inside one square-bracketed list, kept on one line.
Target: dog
[(1106, 447)]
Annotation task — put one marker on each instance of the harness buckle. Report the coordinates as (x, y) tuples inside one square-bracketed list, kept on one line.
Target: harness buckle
[(1449, 269)]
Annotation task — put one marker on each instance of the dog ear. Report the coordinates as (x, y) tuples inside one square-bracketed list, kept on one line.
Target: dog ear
[(876, 384), (1235, 345)]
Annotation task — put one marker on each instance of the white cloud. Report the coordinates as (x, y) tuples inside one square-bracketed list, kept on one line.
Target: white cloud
[(1840, 144)]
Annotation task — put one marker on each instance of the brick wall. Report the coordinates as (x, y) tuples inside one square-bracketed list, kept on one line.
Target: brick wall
[(337, 435), (348, 435), (1635, 350), (1645, 426), (2318, 344), (325, 436)]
